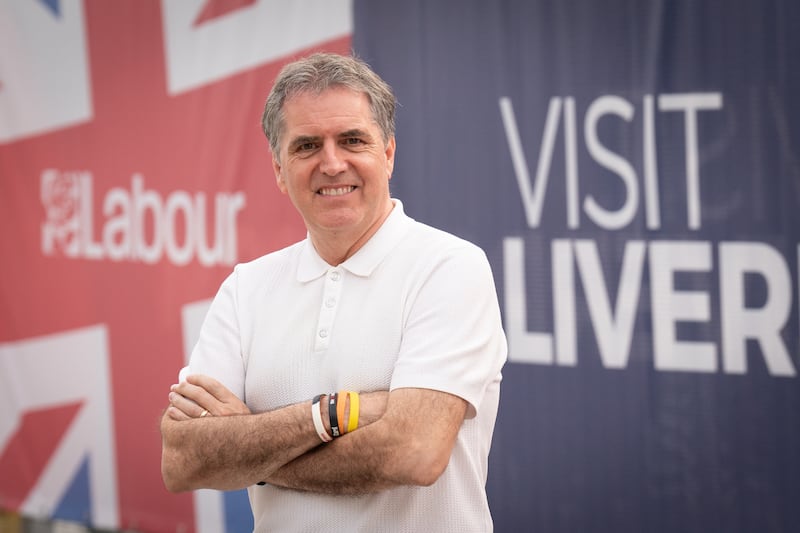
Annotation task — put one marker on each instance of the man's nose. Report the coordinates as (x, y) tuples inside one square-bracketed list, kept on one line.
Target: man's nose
[(332, 162)]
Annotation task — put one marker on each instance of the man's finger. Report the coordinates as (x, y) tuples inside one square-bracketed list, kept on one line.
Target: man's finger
[(212, 386), (176, 414), (194, 409), (210, 393), (195, 393)]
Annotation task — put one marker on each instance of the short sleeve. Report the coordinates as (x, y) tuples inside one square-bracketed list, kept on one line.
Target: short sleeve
[(218, 352), (453, 340)]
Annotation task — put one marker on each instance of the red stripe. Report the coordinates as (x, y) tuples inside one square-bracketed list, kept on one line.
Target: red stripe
[(29, 450), (219, 8)]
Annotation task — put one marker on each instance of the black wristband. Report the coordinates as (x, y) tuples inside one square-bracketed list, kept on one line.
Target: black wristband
[(332, 415)]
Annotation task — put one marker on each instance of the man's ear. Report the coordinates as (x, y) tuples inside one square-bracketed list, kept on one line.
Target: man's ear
[(276, 167), (390, 148)]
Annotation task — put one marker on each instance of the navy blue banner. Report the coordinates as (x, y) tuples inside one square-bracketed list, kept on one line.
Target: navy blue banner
[(632, 169)]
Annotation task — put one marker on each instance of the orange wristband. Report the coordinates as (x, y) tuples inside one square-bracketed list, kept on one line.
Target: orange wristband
[(340, 405)]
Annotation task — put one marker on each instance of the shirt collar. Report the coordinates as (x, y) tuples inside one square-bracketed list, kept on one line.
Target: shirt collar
[(365, 260)]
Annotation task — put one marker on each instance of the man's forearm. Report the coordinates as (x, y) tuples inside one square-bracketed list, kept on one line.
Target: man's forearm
[(388, 449), (394, 451), (351, 464), (233, 452)]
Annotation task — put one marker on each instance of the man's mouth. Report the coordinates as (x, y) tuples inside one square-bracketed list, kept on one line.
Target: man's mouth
[(336, 191)]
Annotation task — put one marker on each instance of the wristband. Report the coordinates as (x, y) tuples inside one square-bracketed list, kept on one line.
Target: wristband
[(352, 422), (332, 414), (340, 405), (316, 416)]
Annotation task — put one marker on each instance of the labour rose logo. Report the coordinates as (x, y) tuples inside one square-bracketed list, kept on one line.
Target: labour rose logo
[(60, 196)]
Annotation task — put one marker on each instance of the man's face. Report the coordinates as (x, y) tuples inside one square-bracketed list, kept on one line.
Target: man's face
[(334, 164)]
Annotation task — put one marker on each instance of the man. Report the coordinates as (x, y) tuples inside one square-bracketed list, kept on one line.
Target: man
[(371, 302)]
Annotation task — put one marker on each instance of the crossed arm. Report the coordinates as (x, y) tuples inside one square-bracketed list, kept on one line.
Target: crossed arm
[(394, 443)]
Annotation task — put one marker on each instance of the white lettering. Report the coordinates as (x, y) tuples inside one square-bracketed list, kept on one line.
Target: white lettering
[(613, 329), (571, 164), (763, 324), (145, 201), (523, 346), (652, 203), (604, 218), (532, 201), (614, 325), (139, 224), (563, 294), (208, 255), (234, 204), (179, 201), (690, 104), (533, 194), (117, 230), (670, 306), (89, 248)]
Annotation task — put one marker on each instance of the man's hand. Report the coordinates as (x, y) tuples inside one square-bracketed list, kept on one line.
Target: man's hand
[(200, 396), (203, 447), (397, 450)]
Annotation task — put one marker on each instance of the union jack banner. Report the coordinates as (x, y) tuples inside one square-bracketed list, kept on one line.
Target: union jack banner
[(134, 175)]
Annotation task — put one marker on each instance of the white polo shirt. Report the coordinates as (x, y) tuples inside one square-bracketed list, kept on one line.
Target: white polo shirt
[(414, 307)]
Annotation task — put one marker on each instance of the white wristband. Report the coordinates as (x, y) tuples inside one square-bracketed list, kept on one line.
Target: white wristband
[(316, 416)]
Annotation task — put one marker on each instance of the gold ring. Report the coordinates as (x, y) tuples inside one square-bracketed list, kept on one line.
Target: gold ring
[(204, 413)]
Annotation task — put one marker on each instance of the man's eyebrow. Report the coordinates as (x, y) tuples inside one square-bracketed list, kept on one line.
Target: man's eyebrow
[(302, 139), (355, 132)]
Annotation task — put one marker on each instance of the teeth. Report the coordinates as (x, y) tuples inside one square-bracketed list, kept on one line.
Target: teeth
[(337, 191)]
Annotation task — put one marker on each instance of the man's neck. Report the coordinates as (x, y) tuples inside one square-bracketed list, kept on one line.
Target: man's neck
[(336, 247)]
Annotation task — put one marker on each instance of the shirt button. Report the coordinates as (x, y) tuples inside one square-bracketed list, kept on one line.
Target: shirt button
[(335, 276), (323, 333), (330, 302)]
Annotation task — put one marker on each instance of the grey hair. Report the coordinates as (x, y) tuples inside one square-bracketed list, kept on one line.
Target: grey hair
[(317, 73)]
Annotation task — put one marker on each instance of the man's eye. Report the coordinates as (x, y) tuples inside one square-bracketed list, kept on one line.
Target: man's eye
[(353, 141), (305, 147)]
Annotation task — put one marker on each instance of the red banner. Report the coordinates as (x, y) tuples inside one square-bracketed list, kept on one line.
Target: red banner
[(133, 176)]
